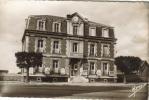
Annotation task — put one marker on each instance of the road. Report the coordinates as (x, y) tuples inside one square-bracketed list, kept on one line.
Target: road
[(71, 91)]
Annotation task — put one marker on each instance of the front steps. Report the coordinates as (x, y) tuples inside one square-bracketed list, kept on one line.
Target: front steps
[(78, 79)]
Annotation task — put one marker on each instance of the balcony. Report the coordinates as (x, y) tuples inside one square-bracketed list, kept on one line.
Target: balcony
[(106, 55), (92, 72), (56, 51), (41, 50), (111, 73), (77, 55), (105, 73), (92, 55)]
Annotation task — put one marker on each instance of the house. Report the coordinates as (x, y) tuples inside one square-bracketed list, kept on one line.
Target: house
[(3, 72), (143, 72), (72, 47)]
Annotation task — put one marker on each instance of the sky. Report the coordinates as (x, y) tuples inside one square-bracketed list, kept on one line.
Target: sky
[(129, 19)]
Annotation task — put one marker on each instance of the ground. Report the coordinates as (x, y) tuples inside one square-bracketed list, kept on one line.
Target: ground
[(72, 90)]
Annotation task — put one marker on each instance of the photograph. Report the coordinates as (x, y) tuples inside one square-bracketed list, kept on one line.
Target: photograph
[(74, 50)]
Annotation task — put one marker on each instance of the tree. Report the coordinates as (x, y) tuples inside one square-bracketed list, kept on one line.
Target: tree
[(127, 64), (27, 60)]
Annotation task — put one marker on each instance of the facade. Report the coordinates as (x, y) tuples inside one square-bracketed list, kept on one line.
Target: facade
[(72, 46)]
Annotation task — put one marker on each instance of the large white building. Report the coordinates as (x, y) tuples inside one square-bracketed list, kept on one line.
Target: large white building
[(73, 47)]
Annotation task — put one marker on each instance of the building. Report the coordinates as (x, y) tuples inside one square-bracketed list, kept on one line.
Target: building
[(72, 47), (3, 72), (143, 72)]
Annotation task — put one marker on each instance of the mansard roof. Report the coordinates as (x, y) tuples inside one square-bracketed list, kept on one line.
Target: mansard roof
[(69, 16)]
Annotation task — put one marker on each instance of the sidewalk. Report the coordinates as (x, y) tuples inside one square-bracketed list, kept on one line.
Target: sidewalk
[(67, 83)]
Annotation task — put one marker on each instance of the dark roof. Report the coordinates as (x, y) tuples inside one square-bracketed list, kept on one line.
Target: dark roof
[(70, 16), (99, 24), (49, 17), (143, 65)]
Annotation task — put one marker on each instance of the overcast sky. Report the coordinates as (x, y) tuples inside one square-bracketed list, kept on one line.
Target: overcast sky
[(129, 19)]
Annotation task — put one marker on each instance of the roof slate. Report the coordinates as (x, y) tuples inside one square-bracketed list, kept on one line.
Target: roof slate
[(64, 18)]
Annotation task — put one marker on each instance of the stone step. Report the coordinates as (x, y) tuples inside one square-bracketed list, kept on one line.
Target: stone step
[(78, 79)]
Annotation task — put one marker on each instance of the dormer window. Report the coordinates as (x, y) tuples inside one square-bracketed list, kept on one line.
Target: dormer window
[(105, 32), (56, 27), (92, 31), (75, 29), (41, 25)]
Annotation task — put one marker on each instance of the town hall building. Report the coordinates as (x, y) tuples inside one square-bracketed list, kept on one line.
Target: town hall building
[(73, 48)]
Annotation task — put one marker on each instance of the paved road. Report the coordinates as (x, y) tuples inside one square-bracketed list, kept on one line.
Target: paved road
[(71, 91)]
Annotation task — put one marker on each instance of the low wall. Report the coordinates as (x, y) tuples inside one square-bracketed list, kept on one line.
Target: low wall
[(11, 78)]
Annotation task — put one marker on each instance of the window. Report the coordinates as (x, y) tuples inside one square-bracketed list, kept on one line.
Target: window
[(92, 31), (40, 43), (105, 32), (92, 67), (56, 47), (75, 47), (75, 30), (56, 26), (55, 64), (92, 49), (105, 68), (41, 25), (105, 50)]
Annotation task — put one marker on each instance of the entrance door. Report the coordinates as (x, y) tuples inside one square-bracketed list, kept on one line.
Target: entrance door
[(74, 70)]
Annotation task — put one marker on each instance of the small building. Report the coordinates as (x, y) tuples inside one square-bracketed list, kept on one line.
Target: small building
[(144, 71), (3, 72), (72, 46)]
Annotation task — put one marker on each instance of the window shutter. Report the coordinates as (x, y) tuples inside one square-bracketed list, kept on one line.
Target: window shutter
[(59, 27), (99, 31), (95, 50), (88, 48), (111, 33), (44, 28), (51, 45), (37, 25), (109, 50), (53, 26), (36, 44), (44, 45), (101, 50), (59, 45)]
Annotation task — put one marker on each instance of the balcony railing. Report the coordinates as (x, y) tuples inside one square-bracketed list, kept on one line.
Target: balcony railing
[(106, 55), (56, 51), (105, 73), (75, 54), (92, 72), (92, 55), (111, 73), (40, 50)]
